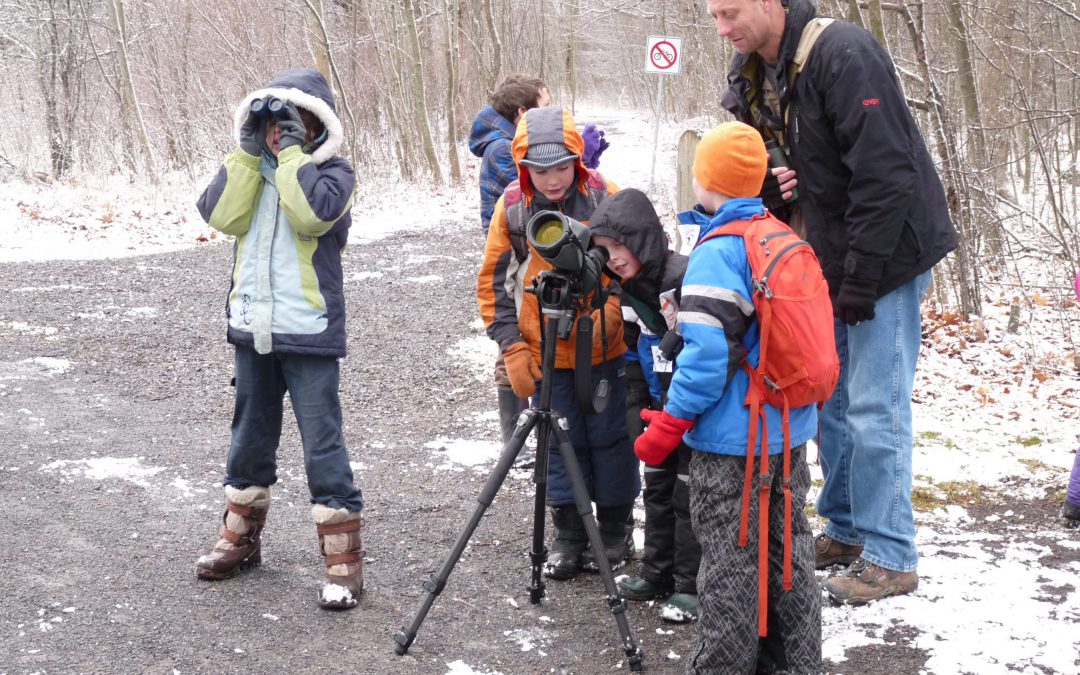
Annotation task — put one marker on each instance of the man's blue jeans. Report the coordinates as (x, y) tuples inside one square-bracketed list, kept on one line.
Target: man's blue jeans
[(312, 383), (865, 441)]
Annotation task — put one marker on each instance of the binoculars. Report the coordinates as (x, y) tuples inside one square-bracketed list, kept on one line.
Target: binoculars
[(777, 158), (266, 107)]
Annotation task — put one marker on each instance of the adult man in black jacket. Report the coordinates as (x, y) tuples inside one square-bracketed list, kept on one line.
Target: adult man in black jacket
[(873, 207)]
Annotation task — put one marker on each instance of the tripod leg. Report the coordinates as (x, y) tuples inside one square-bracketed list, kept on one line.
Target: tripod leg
[(584, 504), (539, 554), (434, 586)]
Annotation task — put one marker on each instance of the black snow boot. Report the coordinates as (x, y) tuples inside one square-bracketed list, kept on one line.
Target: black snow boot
[(564, 556), (616, 525)]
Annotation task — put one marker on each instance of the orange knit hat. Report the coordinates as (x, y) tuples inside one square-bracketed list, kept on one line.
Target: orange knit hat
[(731, 160)]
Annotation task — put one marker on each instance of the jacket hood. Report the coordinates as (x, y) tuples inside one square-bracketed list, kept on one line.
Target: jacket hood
[(629, 218), (489, 126), (305, 88), (547, 125)]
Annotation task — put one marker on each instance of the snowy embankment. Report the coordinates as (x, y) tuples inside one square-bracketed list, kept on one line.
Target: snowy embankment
[(996, 417)]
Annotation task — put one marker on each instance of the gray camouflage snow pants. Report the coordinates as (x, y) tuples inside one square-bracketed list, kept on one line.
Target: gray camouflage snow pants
[(727, 581)]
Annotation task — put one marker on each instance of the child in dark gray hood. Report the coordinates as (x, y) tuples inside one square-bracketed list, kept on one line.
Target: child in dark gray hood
[(626, 225)]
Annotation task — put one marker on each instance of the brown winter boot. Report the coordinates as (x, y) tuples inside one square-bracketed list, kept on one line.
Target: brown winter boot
[(339, 541), (240, 545)]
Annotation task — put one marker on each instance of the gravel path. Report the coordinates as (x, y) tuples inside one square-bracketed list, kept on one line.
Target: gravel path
[(114, 412)]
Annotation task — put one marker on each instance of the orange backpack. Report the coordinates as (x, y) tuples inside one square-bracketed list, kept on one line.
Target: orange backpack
[(797, 363)]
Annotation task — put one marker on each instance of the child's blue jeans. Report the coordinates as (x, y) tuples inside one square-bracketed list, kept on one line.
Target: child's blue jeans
[(312, 384)]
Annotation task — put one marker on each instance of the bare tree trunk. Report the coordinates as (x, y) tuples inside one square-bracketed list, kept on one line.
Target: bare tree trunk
[(420, 113), (320, 43), (968, 292), (496, 57), (571, 54), (450, 9), (877, 25), (54, 80), (129, 103), (853, 14), (977, 156)]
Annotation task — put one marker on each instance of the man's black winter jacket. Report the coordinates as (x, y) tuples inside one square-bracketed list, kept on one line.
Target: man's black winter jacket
[(872, 203)]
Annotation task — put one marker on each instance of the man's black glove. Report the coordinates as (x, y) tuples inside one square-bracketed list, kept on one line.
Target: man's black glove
[(855, 301), (293, 131), (770, 192), (251, 140)]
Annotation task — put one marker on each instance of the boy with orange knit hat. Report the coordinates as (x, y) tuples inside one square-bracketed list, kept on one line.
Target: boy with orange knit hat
[(706, 410)]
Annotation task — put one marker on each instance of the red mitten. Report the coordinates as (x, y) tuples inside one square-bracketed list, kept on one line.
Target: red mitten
[(661, 436)]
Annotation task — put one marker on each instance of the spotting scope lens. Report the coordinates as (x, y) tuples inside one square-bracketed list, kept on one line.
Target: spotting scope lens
[(549, 232)]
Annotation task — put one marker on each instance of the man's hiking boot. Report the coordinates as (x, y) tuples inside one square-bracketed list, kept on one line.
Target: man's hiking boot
[(1071, 513), (616, 525), (564, 556), (829, 552), (865, 582), (680, 608), (640, 588), (240, 544)]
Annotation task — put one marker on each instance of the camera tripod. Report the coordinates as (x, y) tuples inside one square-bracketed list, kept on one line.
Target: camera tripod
[(557, 301)]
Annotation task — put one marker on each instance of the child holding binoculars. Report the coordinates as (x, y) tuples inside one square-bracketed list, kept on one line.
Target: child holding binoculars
[(286, 197)]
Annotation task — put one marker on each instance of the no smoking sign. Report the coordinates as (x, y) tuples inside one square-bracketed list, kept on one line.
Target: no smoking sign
[(663, 54)]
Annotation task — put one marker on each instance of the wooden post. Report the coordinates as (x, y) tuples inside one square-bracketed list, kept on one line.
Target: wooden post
[(684, 191)]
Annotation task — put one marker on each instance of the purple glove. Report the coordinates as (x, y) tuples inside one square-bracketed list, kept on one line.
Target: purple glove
[(595, 145)]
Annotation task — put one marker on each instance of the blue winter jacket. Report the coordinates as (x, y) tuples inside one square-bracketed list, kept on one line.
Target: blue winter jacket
[(720, 329), (489, 139), (290, 216)]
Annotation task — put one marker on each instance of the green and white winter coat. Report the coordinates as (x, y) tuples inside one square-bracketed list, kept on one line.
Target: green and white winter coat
[(290, 216)]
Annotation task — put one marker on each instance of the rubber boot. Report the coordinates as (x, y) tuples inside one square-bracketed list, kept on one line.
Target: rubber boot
[(564, 556), (240, 545), (340, 544), (616, 524)]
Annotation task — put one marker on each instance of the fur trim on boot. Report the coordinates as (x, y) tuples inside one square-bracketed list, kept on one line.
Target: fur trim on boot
[(240, 545), (340, 544)]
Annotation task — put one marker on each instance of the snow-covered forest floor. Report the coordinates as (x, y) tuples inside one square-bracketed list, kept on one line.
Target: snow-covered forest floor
[(996, 425)]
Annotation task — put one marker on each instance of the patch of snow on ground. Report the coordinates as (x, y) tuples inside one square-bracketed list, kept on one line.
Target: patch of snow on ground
[(478, 354), (460, 668), (36, 368), (465, 452), (130, 469)]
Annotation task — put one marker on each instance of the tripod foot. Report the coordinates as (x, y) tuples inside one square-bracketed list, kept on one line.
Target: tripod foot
[(404, 641), (636, 658)]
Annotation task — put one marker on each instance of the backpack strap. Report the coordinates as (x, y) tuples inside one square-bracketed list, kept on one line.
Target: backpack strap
[(514, 204), (735, 228), (811, 32)]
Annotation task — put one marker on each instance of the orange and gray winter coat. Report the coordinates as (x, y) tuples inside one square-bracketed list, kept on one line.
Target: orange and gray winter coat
[(291, 220), (510, 314)]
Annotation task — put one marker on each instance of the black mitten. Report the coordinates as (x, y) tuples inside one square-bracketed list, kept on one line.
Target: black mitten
[(293, 131), (855, 301)]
